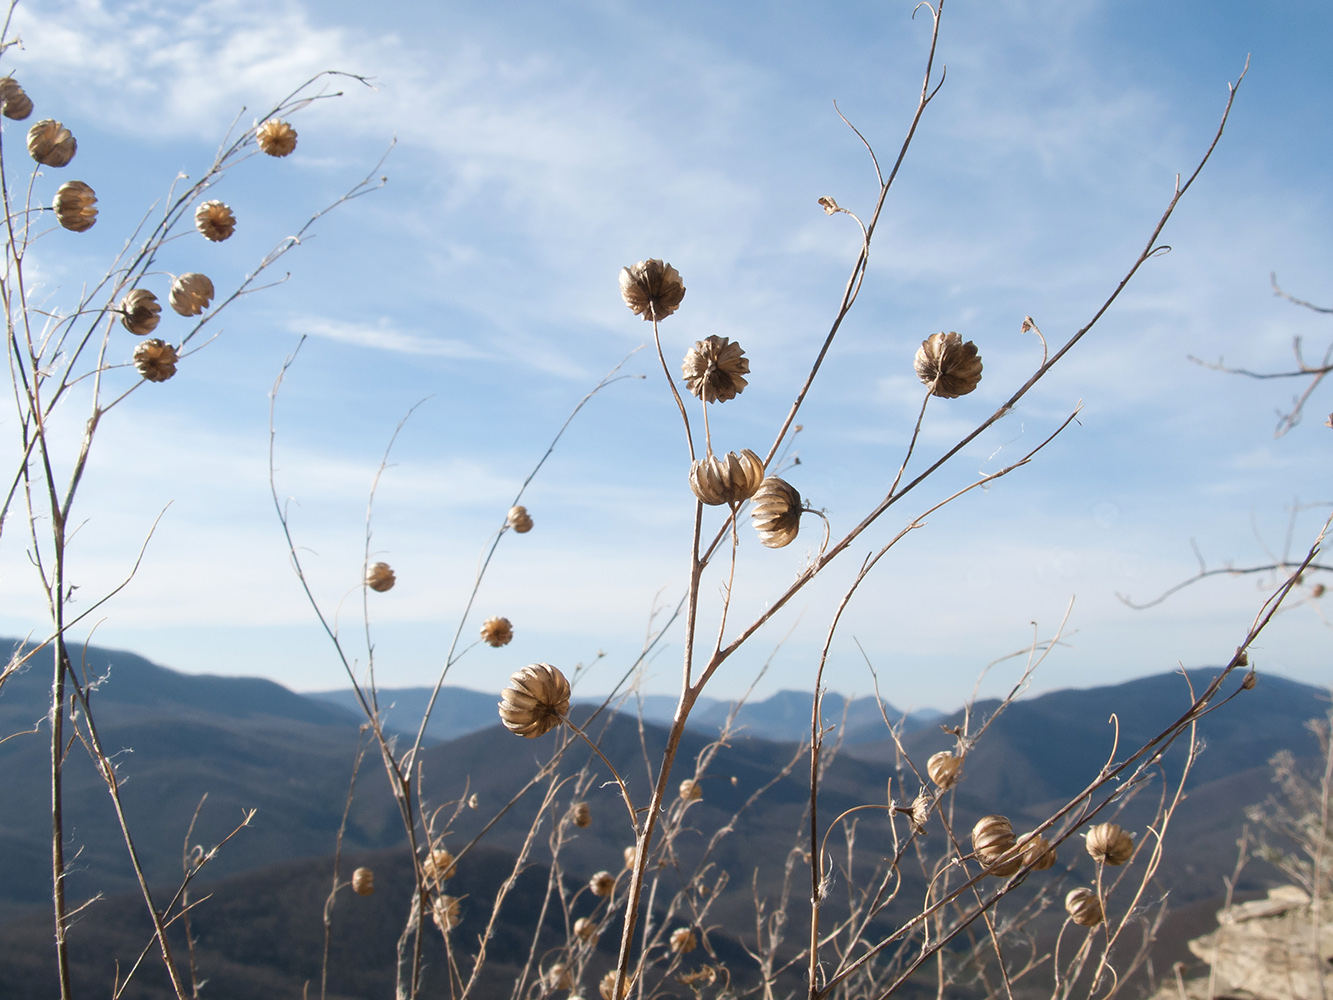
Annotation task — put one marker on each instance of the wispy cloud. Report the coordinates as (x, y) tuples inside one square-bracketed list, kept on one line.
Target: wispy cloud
[(385, 336)]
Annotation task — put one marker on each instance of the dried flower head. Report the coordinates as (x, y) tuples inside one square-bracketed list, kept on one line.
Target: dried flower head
[(215, 221), (497, 632), (728, 480), (776, 514), (950, 367), (536, 701), (558, 978), (14, 103), (50, 143), (155, 360), (585, 929), (380, 577), (918, 813), (715, 369), (1110, 844), (519, 519), (651, 289), (945, 769), (607, 987), (992, 839), (276, 137), (191, 293), (75, 206), (438, 866), (444, 911), (705, 975), (1037, 852), (602, 884), (1083, 907), (580, 815), (690, 790), (1250, 680), (630, 854), (363, 882), (830, 206), (683, 941), (139, 312)]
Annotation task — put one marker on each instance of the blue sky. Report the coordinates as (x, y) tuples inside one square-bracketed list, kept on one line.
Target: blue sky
[(541, 147)]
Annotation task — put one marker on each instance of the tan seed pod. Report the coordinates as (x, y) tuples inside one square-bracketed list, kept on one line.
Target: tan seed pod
[(776, 514), (683, 941), (75, 206), (215, 221), (1317, 590), (992, 839), (607, 987), (830, 206), (1110, 844), (945, 769), (652, 289), (438, 866), (444, 911), (1250, 680), (602, 884), (497, 632), (50, 143), (630, 854), (1037, 852), (363, 882), (472, 801), (536, 701), (580, 815), (1083, 907), (191, 293), (380, 577), (14, 103), (155, 360), (276, 137), (705, 975), (919, 813), (950, 367), (690, 790), (726, 480), (519, 519), (585, 929), (558, 977), (715, 369), (140, 312)]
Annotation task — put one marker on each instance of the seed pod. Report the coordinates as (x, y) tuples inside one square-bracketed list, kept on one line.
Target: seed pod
[(191, 293), (75, 206), (1110, 844), (558, 977), (438, 866), (715, 369), (585, 929), (683, 941), (580, 815), (830, 206), (50, 143), (380, 577), (139, 312), (602, 884), (651, 288), (1037, 852), (363, 882), (726, 480), (155, 360), (536, 702), (14, 103), (690, 791), (918, 815), (1083, 907), (444, 911), (497, 632), (607, 987), (993, 838), (215, 221), (472, 801), (950, 367), (1317, 590), (630, 854), (276, 137), (776, 514), (945, 769), (519, 519)]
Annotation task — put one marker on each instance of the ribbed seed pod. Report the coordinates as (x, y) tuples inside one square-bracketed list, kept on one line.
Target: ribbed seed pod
[(14, 103), (993, 838), (50, 143), (715, 369), (497, 632), (75, 206), (690, 791), (215, 221), (438, 866), (776, 513), (580, 815), (1036, 851), (536, 701), (558, 978), (191, 293), (444, 911), (139, 312), (1108, 843), (651, 288), (1083, 907), (519, 519), (726, 480), (630, 854), (602, 884), (380, 577), (363, 882), (155, 360), (683, 941), (607, 987), (918, 813), (276, 137), (945, 769), (585, 929), (950, 367)]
